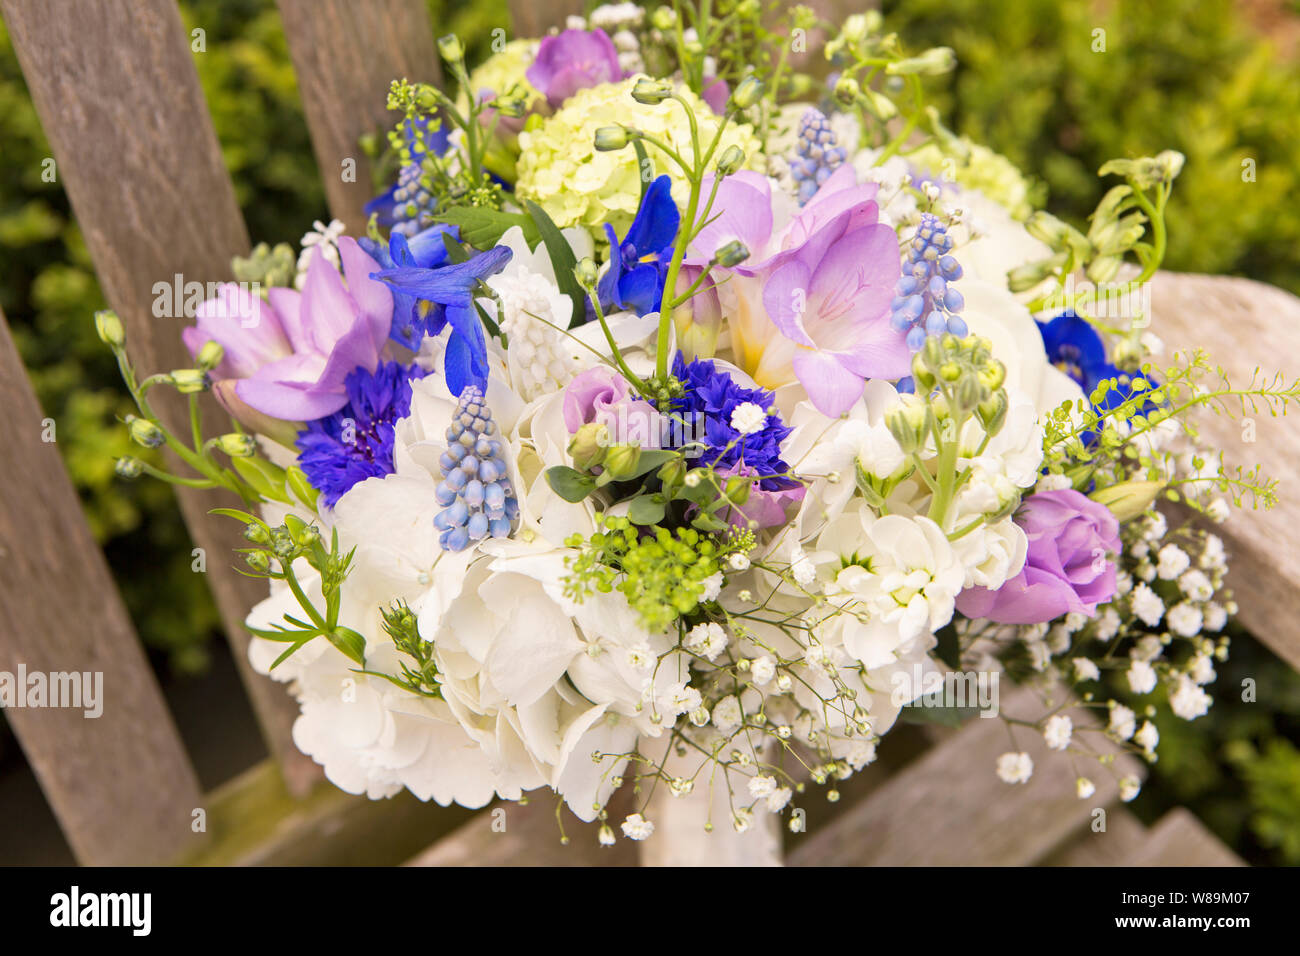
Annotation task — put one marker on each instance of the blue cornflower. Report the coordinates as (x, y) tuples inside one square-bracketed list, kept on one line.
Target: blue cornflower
[(430, 293), (713, 395), (639, 263), (924, 303), (818, 154), (475, 492), (356, 442), (406, 206)]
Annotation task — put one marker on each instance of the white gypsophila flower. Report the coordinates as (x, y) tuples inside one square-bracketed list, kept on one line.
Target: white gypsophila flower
[(1147, 605), (860, 753), (1146, 571), (1123, 583), (1189, 700), (727, 716), (1057, 732), (1215, 617), (1173, 561), (1140, 549), (1075, 621), (712, 587), (1058, 640), (778, 799), (762, 670), (1196, 585), (748, 418), (1141, 677), (1214, 557), (1085, 788), (1129, 788), (1085, 669), (1053, 482), (742, 819), (1040, 655), (739, 561), (637, 827), (1201, 669), (761, 785), (1217, 510), (1108, 623), (1015, 767), (802, 569), (707, 639), (1147, 649), (1155, 526), (1185, 619), (1147, 737), (1123, 722), (606, 835)]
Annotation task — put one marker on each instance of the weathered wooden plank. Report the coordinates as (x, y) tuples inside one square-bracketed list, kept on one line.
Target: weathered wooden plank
[(1244, 325), (346, 54), (1179, 839), (949, 808), (138, 156), (1110, 847), (532, 18), (120, 783)]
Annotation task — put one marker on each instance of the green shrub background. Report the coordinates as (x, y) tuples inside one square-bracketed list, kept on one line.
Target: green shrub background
[(1183, 74)]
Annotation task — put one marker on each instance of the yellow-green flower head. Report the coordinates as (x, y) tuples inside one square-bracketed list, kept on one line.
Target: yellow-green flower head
[(561, 170), (505, 69), (991, 173)]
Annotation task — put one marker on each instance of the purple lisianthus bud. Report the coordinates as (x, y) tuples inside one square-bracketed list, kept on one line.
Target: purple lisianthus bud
[(572, 61), (1070, 565)]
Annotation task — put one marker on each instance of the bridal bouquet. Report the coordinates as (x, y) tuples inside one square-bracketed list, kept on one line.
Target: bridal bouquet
[(682, 418)]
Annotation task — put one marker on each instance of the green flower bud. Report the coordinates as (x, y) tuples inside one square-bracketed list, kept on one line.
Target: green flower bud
[(296, 479), (732, 254), (257, 534), (452, 50), (128, 467), (847, 90), (1104, 268), (144, 432), (236, 445), (190, 380), (932, 62), (879, 105), (1128, 500), (611, 138), (969, 394), (650, 92), (921, 375), (992, 412), (737, 489), (109, 327), (673, 473), (210, 355), (733, 157), (748, 92), (663, 19), (621, 461), (259, 561), (1025, 277), (907, 423), (588, 446), (586, 272), (857, 28)]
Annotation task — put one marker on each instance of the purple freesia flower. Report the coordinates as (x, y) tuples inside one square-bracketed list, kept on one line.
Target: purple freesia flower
[(572, 61), (812, 300), (290, 356), (1069, 567)]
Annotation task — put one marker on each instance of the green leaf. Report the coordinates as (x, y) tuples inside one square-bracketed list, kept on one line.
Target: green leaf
[(646, 509), (262, 476), (238, 515), (642, 164), (482, 228), (707, 522), (350, 643), (456, 253), (569, 483), (562, 260)]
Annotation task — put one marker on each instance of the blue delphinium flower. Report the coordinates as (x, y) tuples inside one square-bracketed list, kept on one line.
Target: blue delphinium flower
[(638, 264), (356, 442), (475, 490), (430, 293), (740, 425), (818, 154), (924, 303), (406, 206)]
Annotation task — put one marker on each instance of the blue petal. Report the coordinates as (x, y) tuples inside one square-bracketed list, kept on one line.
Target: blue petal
[(656, 222)]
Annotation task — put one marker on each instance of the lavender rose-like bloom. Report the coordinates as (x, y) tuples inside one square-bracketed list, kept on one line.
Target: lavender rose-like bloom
[(597, 395), (289, 356), (1068, 567), (572, 61)]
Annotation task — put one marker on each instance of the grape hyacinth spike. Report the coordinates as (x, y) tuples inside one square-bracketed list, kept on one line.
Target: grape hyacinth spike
[(475, 492)]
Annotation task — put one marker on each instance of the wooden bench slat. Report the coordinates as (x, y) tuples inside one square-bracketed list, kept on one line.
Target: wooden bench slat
[(139, 158), (949, 808), (1180, 839), (532, 18), (1245, 324), (121, 784), (346, 54)]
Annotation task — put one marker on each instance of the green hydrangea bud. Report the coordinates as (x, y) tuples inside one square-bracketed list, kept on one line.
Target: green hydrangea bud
[(109, 327), (847, 90)]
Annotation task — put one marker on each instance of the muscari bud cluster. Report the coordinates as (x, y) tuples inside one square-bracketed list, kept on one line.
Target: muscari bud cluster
[(925, 304), (819, 155), (475, 490)]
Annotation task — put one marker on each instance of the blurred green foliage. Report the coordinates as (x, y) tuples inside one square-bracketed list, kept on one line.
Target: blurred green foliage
[(1175, 73), (1061, 87)]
